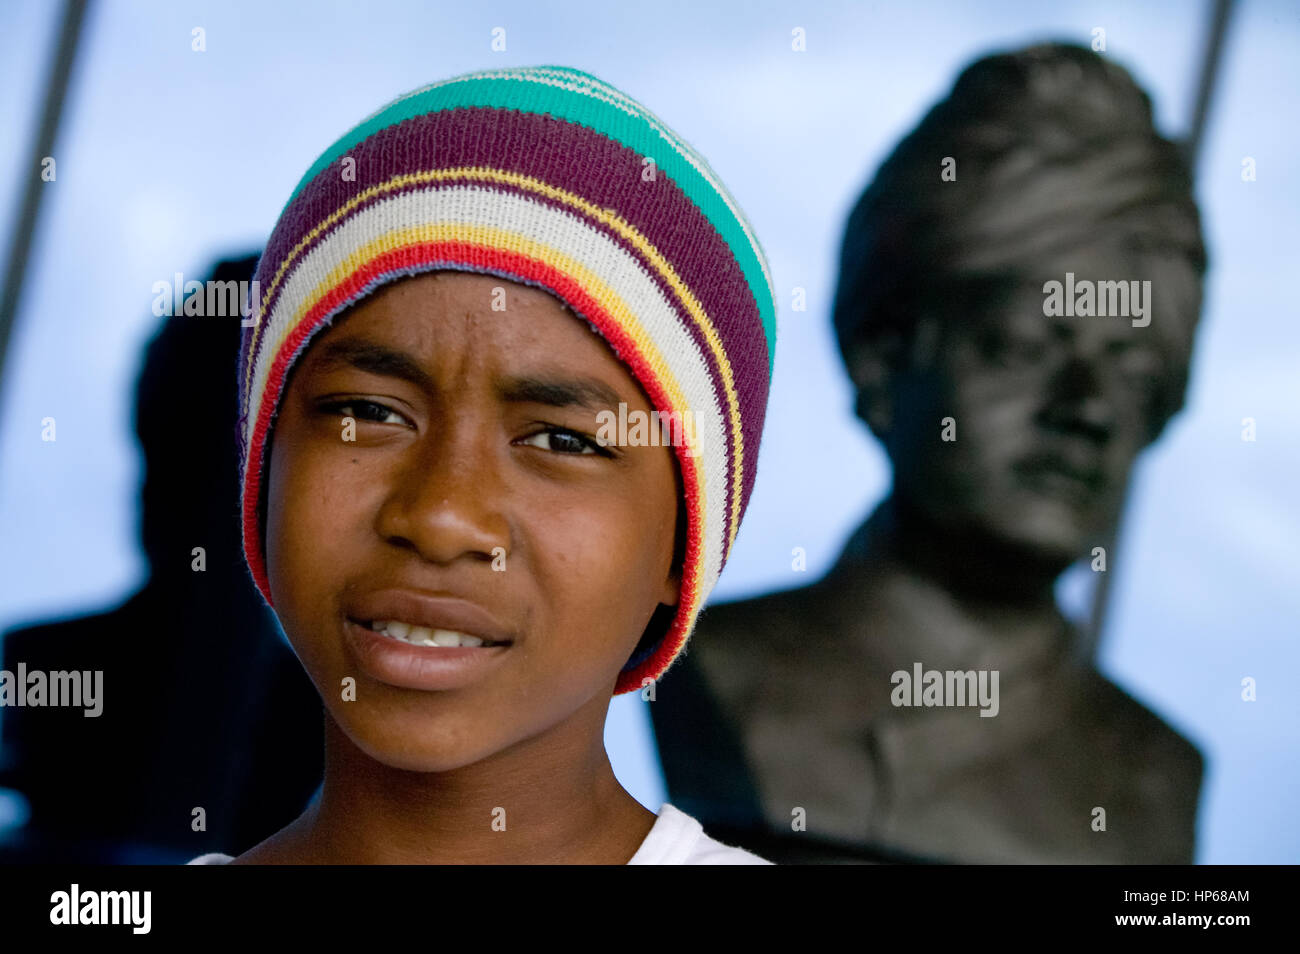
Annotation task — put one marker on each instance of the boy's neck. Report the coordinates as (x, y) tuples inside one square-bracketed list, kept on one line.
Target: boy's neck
[(502, 810)]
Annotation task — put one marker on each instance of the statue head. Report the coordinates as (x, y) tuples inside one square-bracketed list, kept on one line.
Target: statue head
[(1011, 407)]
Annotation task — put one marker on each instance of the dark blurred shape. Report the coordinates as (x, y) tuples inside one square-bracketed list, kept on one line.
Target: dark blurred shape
[(1011, 434), (205, 705)]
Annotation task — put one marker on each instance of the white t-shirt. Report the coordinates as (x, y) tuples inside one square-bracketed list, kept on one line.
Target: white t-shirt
[(675, 839)]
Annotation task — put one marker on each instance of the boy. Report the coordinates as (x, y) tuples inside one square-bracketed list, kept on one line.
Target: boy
[(465, 563)]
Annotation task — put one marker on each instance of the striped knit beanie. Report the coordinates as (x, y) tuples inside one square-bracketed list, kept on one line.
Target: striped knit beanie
[(549, 177)]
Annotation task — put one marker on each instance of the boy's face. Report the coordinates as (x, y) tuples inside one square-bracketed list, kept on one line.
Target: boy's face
[(471, 497)]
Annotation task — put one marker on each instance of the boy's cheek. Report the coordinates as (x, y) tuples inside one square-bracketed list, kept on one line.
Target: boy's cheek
[(603, 585), (310, 516)]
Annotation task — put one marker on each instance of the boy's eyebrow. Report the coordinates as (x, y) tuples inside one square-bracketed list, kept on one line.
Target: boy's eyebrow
[(372, 358), (561, 392), (375, 358)]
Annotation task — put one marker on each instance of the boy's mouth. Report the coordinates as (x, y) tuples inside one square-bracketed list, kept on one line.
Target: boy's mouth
[(440, 627), (428, 636)]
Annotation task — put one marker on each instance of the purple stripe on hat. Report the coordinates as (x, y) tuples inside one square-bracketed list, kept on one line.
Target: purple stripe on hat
[(578, 160), (696, 334), (568, 156)]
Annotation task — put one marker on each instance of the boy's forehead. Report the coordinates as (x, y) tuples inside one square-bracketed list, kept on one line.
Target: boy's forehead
[(422, 329), (428, 314)]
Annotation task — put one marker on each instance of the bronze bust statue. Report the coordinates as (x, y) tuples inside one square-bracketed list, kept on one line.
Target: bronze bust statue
[(1018, 293)]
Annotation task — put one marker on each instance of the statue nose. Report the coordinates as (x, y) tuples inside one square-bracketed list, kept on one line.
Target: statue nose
[(1078, 403)]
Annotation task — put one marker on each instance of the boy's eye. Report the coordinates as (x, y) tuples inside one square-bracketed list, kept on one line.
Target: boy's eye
[(365, 411), (562, 441)]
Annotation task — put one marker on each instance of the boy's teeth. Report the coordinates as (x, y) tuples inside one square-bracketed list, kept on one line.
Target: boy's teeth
[(423, 635)]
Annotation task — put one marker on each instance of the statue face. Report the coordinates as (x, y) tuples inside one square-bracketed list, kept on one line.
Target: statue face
[(1049, 412)]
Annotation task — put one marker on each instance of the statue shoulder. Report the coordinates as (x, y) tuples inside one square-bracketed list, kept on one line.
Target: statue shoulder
[(758, 617), (1146, 738)]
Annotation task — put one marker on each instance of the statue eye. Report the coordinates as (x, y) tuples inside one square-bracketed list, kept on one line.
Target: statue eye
[(1136, 362), (1012, 350)]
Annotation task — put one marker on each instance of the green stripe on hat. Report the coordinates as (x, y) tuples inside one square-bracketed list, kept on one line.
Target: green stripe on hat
[(601, 107)]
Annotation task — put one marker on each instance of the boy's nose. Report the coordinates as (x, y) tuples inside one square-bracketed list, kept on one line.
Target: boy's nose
[(446, 500)]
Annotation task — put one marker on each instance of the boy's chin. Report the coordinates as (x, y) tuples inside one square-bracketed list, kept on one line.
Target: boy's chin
[(414, 742), (411, 751)]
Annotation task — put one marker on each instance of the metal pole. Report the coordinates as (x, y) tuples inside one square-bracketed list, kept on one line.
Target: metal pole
[(1220, 14), (20, 246)]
